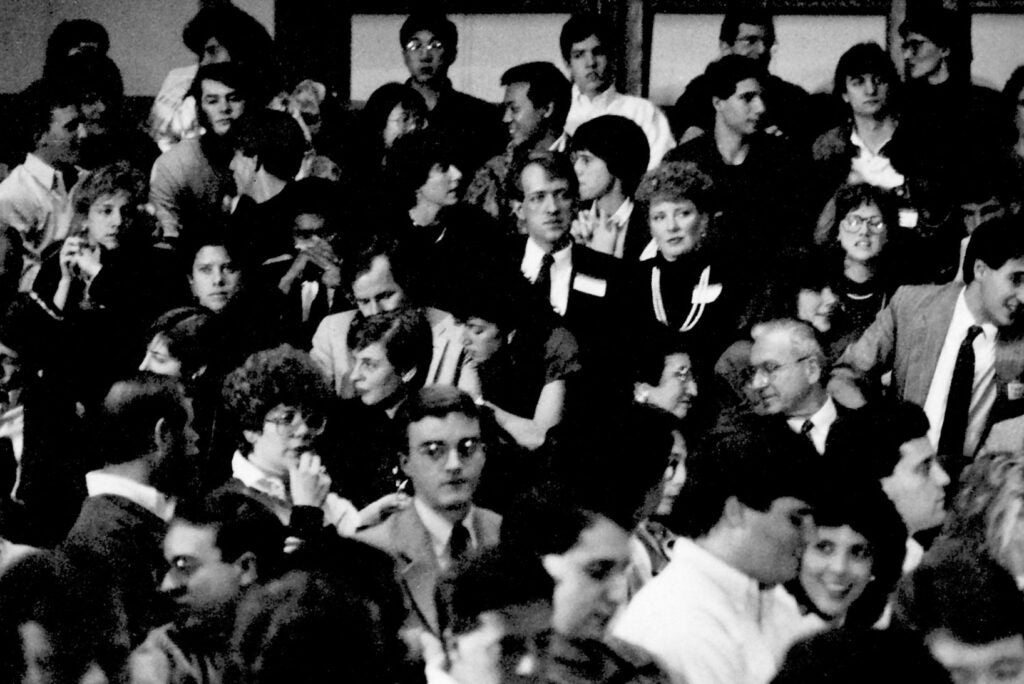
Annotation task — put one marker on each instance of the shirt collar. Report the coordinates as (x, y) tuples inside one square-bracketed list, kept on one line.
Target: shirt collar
[(48, 176), (825, 415), (603, 97), (621, 216), (741, 590), (535, 253), (251, 476), (439, 528), (98, 483), (963, 319)]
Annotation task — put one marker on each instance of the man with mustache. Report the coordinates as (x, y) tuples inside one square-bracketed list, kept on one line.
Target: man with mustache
[(954, 349)]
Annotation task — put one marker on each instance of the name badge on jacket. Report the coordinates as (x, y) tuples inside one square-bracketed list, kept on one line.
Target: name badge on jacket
[(706, 294), (590, 285)]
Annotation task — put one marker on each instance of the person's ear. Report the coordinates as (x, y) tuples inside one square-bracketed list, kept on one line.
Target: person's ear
[(724, 48), (517, 208), (734, 512), (403, 462), (716, 102), (547, 111), (813, 370), (248, 567), (251, 436), (162, 435), (980, 269), (408, 375)]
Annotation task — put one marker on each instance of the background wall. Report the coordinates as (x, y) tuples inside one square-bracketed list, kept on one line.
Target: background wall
[(146, 42), (145, 36)]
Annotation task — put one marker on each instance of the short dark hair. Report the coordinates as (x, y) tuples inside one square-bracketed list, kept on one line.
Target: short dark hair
[(272, 377), (932, 21), (37, 103), (870, 441), (404, 333), (360, 262), (555, 164), (744, 457), (216, 235), (490, 582), (410, 160), (740, 14), (854, 656), (315, 196), (436, 22), (434, 401), (967, 595), (864, 58), (725, 73), (275, 138), (379, 106), (131, 411), (237, 30), (188, 332), (620, 143), (579, 27), (994, 243), (231, 74), (1011, 91), (676, 181), (70, 33), (546, 84), (241, 524)]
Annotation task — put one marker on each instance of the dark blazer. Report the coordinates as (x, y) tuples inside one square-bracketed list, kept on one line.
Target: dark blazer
[(404, 536), (121, 544)]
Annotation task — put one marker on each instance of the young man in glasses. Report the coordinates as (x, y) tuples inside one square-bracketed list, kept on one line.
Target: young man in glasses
[(443, 456), (430, 44)]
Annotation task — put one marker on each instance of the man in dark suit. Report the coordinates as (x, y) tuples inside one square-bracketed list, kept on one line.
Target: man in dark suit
[(444, 458), (145, 440), (934, 338), (787, 374), (581, 285)]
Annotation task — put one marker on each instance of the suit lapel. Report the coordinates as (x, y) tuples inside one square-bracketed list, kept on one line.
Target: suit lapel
[(419, 570), (931, 324)]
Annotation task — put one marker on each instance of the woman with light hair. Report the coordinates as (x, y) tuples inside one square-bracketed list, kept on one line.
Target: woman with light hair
[(987, 512)]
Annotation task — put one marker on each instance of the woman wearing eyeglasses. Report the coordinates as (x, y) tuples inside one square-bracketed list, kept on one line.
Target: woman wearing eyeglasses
[(865, 244), (278, 401)]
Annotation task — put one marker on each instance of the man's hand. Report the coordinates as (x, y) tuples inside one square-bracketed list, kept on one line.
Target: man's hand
[(296, 269), (382, 508), (322, 254), (596, 230), (308, 481)]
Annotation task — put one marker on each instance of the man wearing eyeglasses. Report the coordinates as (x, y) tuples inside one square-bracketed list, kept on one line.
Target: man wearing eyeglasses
[(787, 374), (954, 349), (443, 457), (429, 43)]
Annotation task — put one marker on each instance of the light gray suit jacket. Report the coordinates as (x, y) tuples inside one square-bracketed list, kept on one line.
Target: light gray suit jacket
[(404, 536), (907, 337)]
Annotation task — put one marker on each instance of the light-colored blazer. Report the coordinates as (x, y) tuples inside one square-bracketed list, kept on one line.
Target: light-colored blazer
[(907, 337), (404, 536), (330, 349)]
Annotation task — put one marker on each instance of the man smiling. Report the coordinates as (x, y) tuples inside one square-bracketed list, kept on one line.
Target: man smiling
[(955, 349)]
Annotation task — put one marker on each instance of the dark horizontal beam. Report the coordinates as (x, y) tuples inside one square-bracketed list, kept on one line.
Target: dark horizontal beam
[(872, 7)]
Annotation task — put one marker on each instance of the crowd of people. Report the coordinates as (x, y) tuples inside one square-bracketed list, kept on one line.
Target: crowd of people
[(565, 389)]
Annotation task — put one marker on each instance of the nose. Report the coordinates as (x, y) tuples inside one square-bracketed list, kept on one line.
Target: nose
[(357, 373), (578, 166), (617, 589), (115, 217), (870, 86), (146, 363), (758, 105), (372, 308), (939, 474), (218, 276), (454, 173), (758, 378), (451, 460), (691, 387), (549, 206), (839, 562), (507, 118), (168, 584)]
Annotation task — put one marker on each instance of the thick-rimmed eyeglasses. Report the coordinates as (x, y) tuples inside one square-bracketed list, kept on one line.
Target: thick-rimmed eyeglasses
[(854, 224), (289, 420), (771, 369), (433, 47)]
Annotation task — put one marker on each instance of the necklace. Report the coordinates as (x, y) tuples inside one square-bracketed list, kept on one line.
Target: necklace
[(697, 306)]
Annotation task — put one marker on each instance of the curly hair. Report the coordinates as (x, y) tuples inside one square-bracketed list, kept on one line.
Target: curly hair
[(270, 378), (110, 180), (851, 196), (988, 507), (410, 160), (675, 182), (404, 334)]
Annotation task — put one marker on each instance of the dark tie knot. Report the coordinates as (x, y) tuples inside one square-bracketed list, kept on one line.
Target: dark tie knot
[(458, 543), (972, 333)]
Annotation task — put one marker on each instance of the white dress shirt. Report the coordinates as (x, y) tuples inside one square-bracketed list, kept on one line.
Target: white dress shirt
[(338, 512), (643, 113), (440, 530), (709, 623), (99, 483), (873, 168), (821, 421), (983, 393), (35, 201), (561, 273)]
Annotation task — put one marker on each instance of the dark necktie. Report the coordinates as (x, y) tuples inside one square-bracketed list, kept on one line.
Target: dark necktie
[(954, 424), (806, 428), (543, 281), (458, 543)]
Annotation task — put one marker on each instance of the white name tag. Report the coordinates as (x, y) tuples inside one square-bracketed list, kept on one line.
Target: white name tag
[(590, 285), (1014, 390), (706, 294)]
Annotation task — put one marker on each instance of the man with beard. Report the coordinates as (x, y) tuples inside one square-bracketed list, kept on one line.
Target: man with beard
[(145, 442), (217, 550), (954, 349), (190, 181)]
